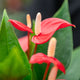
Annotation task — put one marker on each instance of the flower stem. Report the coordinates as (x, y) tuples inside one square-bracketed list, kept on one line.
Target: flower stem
[(28, 44), (35, 49), (28, 19), (46, 71), (34, 53)]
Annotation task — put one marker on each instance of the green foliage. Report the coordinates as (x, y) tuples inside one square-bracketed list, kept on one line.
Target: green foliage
[(64, 44), (73, 72), (14, 64)]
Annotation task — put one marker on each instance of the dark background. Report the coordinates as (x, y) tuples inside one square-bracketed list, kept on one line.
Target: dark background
[(47, 8)]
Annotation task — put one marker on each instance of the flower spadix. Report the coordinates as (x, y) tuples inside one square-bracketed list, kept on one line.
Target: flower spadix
[(48, 27), (53, 73), (38, 23), (20, 26), (42, 58), (52, 47), (28, 18)]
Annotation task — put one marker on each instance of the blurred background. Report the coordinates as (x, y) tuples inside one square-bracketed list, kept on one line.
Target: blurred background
[(17, 9)]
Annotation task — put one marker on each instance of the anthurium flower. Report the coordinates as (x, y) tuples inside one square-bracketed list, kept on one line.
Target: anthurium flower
[(48, 28), (42, 58), (24, 43), (20, 26), (49, 58)]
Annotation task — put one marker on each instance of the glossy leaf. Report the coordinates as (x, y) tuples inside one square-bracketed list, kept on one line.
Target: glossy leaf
[(20, 26), (64, 44), (14, 64), (73, 71), (42, 58)]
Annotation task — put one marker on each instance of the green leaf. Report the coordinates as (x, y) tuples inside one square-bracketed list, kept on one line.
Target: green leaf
[(64, 43), (14, 64), (73, 72), (18, 15)]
